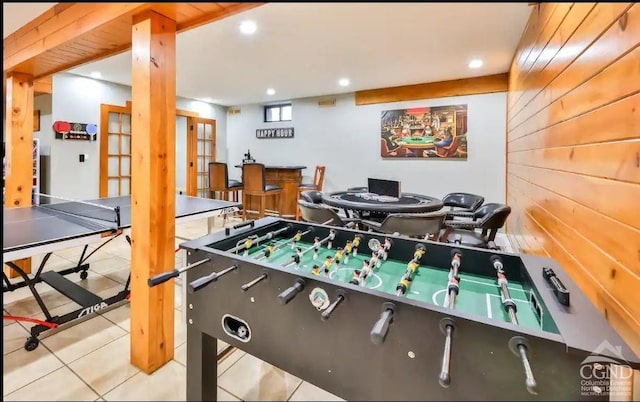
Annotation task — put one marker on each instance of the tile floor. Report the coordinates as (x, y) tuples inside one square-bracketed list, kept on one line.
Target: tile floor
[(90, 361)]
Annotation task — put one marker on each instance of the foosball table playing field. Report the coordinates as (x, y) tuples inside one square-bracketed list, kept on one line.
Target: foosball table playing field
[(372, 317)]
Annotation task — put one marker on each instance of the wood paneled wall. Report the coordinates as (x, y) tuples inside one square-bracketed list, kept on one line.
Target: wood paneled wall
[(573, 151)]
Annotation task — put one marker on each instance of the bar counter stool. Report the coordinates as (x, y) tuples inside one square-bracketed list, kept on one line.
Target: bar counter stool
[(255, 185), (219, 182)]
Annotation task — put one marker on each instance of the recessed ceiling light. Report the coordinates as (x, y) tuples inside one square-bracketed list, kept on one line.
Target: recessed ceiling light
[(248, 27), (475, 63), (343, 82), (96, 74), (271, 91)]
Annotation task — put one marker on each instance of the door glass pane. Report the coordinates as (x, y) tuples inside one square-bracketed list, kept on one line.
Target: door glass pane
[(114, 122), (114, 168), (200, 181), (207, 159), (125, 144), (200, 130), (286, 112), (200, 148), (124, 186), (207, 131), (126, 123), (125, 166), (201, 164), (113, 185), (113, 143)]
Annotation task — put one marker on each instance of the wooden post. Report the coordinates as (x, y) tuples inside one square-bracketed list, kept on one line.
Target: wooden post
[(19, 148), (152, 188)]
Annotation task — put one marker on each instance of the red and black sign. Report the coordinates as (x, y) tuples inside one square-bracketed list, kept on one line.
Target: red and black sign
[(75, 131)]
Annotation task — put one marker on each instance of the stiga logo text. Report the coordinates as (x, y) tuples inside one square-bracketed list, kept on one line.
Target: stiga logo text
[(93, 309)]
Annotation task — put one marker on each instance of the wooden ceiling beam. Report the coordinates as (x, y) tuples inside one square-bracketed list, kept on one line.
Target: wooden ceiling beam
[(36, 47)]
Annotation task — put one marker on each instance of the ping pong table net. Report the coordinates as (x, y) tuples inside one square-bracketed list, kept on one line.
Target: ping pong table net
[(81, 209)]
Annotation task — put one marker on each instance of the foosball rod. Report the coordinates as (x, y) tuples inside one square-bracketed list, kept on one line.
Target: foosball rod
[(267, 236), (510, 306), (165, 276), (279, 247), (453, 289)]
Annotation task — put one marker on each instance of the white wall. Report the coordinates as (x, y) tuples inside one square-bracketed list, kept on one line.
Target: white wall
[(346, 139), (78, 99)]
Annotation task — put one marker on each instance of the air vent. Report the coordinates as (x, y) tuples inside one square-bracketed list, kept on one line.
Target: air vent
[(327, 102), (233, 111)]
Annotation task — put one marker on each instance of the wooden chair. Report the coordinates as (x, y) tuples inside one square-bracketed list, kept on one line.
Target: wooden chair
[(451, 150), (219, 182), (255, 185), (318, 182)]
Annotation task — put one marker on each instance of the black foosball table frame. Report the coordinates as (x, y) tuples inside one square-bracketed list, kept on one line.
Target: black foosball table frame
[(381, 346)]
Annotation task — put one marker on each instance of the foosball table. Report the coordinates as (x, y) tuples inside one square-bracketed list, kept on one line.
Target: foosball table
[(367, 316)]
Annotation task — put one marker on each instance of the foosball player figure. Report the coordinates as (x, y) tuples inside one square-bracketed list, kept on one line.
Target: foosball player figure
[(316, 247), (315, 270), (373, 262), (326, 266), (347, 251), (296, 239), (338, 255), (332, 236), (365, 271), (356, 243), (386, 247), (412, 268), (418, 254), (403, 285), (381, 254), (247, 245), (297, 257), (356, 277), (269, 250)]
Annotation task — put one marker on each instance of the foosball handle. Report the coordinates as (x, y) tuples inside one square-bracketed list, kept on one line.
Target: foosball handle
[(163, 277), (199, 283), (286, 296), (381, 327), (329, 310)]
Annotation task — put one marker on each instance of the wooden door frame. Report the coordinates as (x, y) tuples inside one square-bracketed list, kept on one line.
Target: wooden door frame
[(192, 150), (105, 109)]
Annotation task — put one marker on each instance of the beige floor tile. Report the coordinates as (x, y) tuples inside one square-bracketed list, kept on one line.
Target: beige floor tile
[(20, 368), (180, 354), (309, 392), (114, 366), (60, 385), (120, 316), (54, 263), (94, 282), (229, 361), (82, 339), (73, 253), (252, 379), (180, 329), (107, 264), (56, 311), (13, 337), (168, 383), (120, 275), (21, 302), (225, 396)]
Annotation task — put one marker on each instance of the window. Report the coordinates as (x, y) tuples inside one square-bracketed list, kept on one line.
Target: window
[(274, 113)]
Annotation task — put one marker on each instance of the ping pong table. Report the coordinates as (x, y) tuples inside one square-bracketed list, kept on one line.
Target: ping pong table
[(51, 226)]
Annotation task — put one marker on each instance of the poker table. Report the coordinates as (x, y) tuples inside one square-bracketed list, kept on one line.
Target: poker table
[(364, 201), (417, 142)]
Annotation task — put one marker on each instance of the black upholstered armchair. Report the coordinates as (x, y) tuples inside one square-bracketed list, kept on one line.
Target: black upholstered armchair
[(424, 226), (320, 213), (462, 204), (487, 219), (312, 196)]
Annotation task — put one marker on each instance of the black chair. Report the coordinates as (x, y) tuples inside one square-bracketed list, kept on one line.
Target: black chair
[(489, 218), (319, 213), (460, 204), (424, 226), (312, 196)]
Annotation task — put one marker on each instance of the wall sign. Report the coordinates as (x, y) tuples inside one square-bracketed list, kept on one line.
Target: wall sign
[(274, 132), (65, 130)]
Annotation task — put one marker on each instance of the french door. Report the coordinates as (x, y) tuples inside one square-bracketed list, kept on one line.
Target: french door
[(201, 149), (115, 151)]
